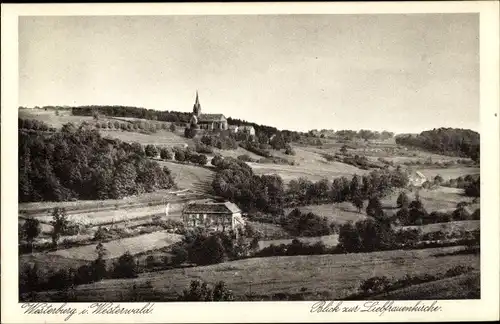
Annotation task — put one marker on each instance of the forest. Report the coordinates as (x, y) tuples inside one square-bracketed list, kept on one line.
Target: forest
[(447, 141), (77, 163)]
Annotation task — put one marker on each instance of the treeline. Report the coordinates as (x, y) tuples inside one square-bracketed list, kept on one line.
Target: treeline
[(77, 163), (135, 112), (377, 183), (382, 284), (264, 133), (414, 213), (470, 184), (447, 141), (33, 124), (372, 235), (236, 182), (349, 135)]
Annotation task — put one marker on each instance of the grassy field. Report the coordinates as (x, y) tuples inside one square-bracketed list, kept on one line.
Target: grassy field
[(449, 173), (115, 216), (116, 248), (327, 276), (469, 225), (466, 286), (440, 199), (141, 200), (160, 138), (328, 240), (50, 118), (339, 213), (187, 176)]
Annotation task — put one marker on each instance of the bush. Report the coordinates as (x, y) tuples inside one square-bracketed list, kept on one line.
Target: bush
[(180, 156), (375, 285), (289, 150), (190, 132), (180, 255), (200, 159), (199, 291), (125, 267), (458, 270), (151, 150), (245, 158), (166, 154), (172, 127)]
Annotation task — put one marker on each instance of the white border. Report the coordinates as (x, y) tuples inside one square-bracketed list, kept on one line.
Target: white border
[(485, 309)]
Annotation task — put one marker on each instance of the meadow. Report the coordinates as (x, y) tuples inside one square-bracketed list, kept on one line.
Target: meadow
[(338, 213), (115, 248), (318, 276), (327, 240)]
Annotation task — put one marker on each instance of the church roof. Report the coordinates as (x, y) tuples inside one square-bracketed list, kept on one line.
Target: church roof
[(212, 208), (211, 117)]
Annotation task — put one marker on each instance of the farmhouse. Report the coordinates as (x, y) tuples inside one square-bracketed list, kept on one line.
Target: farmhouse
[(212, 216), (417, 179)]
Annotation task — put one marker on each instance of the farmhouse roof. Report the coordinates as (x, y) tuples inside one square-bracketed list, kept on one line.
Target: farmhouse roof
[(211, 117), (233, 127), (420, 174), (212, 208)]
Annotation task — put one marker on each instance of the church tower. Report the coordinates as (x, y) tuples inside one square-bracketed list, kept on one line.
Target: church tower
[(197, 106)]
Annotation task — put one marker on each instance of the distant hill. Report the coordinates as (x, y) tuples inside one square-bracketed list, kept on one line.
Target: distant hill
[(167, 116), (446, 141)]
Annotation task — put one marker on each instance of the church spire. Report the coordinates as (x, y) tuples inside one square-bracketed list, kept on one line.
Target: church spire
[(197, 106)]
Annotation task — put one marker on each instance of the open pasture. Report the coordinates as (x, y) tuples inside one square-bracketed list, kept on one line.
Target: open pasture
[(449, 227), (116, 248), (465, 286), (449, 173), (439, 199), (328, 240), (329, 276), (160, 138), (313, 171), (50, 118), (338, 213), (188, 176)]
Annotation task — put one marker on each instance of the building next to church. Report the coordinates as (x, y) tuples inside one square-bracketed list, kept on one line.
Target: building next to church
[(212, 216), (207, 121)]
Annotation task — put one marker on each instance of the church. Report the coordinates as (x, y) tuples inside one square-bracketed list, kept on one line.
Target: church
[(207, 121)]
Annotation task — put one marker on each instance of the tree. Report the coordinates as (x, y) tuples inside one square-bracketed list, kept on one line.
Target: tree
[(180, 156), (222, 293), (343, 150), (180, 255), (349, 238), (374, 207), (438, 180), (151, 150), (29, 280), (166, 154), (172, 127), (31, 229), (403, 200), (417, 212), (126, 266), (403, 216), (59, 224), (197, 292), (358, 203)]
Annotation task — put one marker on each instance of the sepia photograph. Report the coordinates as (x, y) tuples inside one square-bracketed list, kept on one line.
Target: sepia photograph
[(249, 158)]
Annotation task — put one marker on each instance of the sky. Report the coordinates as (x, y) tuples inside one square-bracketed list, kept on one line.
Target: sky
[(401, 73)]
